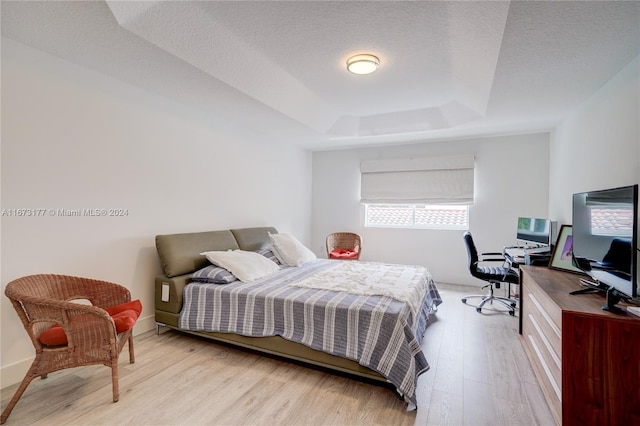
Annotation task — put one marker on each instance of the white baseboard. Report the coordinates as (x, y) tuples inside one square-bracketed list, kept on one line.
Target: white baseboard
[(14, 373), (144, 324)]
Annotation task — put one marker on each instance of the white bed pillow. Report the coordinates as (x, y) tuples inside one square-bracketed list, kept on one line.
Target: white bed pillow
[(289, 250), (245, 265)]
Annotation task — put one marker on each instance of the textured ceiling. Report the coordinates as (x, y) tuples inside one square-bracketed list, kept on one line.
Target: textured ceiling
[(448, 69)]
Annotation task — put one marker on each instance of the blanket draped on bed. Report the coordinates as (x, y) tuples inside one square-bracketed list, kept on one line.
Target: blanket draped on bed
[(368, 326), (400, 282)]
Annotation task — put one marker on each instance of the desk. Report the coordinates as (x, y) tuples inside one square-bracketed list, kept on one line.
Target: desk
[(517, 257)]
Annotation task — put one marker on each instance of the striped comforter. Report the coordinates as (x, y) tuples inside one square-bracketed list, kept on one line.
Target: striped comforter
[(370, 327)]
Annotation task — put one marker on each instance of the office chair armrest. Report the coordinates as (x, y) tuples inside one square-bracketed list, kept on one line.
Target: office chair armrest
[(495, 257), (495, 253), (501, 260)]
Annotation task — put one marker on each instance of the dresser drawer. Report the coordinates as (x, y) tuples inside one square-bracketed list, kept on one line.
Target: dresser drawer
[(547, 360), (542, 339), (539, 318), (544, 302), (551, 388)]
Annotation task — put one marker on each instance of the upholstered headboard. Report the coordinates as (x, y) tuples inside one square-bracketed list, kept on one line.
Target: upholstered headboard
[(180, 253)]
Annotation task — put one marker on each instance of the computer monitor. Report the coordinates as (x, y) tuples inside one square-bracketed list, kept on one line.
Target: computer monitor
[(535, 232)]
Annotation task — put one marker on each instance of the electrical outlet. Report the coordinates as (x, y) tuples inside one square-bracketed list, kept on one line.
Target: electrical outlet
[(165, 292)]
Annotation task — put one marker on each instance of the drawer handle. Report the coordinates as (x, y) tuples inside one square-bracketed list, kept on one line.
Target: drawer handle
[(546, 342), (554, 385), (544, 314)]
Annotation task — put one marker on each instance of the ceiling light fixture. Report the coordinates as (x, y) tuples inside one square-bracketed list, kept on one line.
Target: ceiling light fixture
[(363, 64)]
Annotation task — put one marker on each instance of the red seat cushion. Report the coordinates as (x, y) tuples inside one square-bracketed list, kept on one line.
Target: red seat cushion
[(54, 336), (124, 316), (341, 253)]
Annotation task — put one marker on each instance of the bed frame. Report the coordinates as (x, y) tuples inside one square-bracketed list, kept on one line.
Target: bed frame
[(180, 257)]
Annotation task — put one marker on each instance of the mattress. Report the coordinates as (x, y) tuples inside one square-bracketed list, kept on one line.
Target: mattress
[(368, 312)]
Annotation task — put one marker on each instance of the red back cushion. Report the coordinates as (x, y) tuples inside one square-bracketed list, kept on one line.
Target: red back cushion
[(134, 305), (124, 316)]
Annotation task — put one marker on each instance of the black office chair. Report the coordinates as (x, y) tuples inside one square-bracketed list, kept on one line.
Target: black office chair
[(494, 275)]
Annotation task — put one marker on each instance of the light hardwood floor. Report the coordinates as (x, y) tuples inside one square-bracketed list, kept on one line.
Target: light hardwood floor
[(479, 376)]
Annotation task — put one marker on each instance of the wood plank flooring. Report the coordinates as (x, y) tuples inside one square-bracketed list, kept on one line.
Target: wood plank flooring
[(479, 376)]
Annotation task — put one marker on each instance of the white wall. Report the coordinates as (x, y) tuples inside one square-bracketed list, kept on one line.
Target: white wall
[(76, 139), (511, 180), (598, 145)]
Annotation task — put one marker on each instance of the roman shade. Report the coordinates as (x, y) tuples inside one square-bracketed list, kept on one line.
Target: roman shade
[(428, 180), (620, 196)]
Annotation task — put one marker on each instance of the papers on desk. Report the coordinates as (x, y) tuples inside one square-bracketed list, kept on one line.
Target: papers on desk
[(527, 256), (522, 251), (515, 252)]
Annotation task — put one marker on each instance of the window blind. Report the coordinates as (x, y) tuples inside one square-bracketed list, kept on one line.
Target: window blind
[(429, 180)]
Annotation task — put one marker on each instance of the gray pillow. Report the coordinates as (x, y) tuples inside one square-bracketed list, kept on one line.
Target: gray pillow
[(269, 255), (214, 275)]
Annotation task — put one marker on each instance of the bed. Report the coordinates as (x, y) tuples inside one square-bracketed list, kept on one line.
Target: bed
[(361, 318)]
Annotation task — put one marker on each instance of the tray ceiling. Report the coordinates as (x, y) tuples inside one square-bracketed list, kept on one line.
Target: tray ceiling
[(447, 69)]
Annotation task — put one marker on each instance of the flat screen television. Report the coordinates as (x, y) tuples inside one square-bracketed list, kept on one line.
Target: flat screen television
[(605, 240), (534, 232)]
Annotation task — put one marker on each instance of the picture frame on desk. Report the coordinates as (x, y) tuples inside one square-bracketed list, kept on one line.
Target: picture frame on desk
[(562, 251)]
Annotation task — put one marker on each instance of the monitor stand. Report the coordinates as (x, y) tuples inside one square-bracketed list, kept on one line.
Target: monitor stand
[(613, 297), (591, 287)]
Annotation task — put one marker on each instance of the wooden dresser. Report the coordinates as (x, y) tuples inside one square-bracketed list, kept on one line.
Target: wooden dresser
[(586, 360)]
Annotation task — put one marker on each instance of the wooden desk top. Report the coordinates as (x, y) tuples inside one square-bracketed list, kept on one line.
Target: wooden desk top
[(558, 284)]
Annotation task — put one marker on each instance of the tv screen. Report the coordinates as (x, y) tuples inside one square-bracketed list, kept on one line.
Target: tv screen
[(534, 231), (605, 236)]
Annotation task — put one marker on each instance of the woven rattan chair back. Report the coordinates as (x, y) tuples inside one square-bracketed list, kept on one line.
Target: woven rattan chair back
[(344, 240), (42, 301)]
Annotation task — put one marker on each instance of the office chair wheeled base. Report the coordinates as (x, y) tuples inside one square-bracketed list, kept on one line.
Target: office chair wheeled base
[(509, 303)]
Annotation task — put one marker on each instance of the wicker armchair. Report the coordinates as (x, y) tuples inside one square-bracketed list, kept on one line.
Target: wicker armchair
[(344, 245), (43, 301)]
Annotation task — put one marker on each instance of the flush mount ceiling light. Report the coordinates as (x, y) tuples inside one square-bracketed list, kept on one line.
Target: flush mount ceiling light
[(363, 64)]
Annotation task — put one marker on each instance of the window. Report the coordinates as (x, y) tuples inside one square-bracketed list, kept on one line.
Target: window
[(428, 192), (425, 216)]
